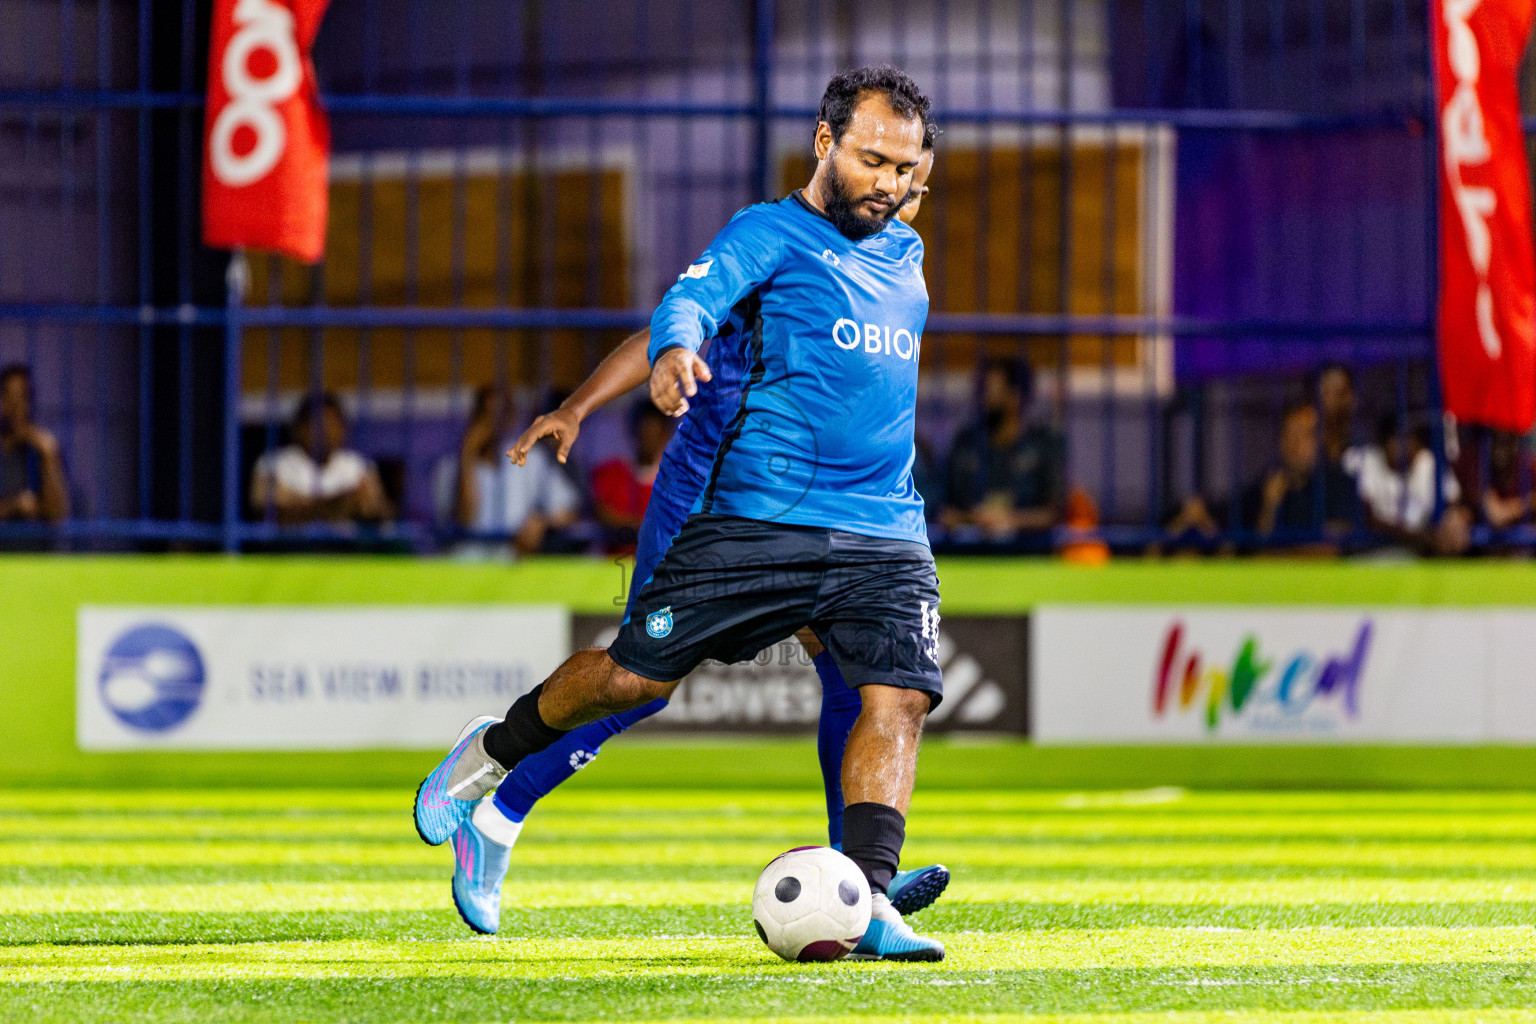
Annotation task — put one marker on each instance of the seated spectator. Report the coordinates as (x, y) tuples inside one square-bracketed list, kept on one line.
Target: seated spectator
[(316, 478), (1335, 391), (1396, 482), (1285, 499), (481, 491), (32, 487), (1005, 474), (1496, 475), (621, 488)]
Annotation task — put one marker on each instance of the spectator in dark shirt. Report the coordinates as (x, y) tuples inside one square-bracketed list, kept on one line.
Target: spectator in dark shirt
[(621, 488), (32, 487), (1285, 499), (1005, 475)]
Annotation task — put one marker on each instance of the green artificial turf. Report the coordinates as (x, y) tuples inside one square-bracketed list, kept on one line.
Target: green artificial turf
[(1110, 907)]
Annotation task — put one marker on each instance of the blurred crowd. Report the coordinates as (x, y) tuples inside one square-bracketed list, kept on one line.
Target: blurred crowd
[(1002, 480), (1000, 484), (1327, 491)]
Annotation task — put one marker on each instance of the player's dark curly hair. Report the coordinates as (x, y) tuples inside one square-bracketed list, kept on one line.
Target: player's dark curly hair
[(845, 90)]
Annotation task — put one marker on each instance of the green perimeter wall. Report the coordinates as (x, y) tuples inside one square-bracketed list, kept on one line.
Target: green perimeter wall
[(37, 669)]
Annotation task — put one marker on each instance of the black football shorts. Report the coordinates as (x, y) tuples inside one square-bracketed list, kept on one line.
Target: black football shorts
[(729, 587)]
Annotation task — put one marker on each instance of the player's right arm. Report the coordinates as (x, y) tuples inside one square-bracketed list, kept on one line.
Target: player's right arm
[(742, 256), (625, 369)]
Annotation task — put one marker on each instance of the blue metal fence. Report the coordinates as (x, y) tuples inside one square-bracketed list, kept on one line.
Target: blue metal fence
[(1164, 376)]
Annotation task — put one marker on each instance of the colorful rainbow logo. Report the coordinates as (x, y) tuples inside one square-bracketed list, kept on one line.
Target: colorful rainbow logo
[(1249, 683)]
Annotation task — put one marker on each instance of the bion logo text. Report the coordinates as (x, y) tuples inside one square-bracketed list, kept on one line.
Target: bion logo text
[(874, 339)]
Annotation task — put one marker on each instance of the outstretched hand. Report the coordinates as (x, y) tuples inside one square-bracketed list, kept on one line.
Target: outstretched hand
[(674, 379), (560, 423)]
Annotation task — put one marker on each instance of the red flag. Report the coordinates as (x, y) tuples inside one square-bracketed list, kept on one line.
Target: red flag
[(266, 140), (1487, 265)]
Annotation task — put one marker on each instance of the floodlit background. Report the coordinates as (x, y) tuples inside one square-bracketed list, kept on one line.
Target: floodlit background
[(1240, 715)]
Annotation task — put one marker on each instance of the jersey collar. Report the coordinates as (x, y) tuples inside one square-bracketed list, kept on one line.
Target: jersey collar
[(798, 195)]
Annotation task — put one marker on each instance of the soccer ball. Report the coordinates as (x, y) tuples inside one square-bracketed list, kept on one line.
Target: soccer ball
[(811, 903)]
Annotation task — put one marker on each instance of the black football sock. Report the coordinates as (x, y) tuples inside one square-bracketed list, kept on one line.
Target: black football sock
[(872, 838), (523, 732)]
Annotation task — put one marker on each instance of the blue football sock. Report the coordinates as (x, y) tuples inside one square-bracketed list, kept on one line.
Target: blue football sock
[(538, 774), (840, 706)]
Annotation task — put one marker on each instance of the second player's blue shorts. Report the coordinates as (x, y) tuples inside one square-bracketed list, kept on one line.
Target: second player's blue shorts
[(672, 497)]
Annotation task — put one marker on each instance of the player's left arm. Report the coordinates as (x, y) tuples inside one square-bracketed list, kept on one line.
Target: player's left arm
[(625, 368)]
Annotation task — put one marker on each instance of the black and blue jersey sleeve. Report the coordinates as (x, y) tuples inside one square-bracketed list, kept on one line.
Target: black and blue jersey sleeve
[(742, 256)]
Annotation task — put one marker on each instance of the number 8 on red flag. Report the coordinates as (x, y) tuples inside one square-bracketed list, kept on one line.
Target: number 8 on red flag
[(266, 138)]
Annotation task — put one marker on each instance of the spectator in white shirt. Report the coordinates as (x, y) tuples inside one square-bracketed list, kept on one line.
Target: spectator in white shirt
[(481, 491), (316, 478), (1396, 482)]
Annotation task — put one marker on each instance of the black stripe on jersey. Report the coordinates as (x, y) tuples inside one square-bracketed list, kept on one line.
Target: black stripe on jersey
[(754, 317)]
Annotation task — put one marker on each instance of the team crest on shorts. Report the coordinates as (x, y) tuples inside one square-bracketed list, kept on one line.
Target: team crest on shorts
[(659, 624)]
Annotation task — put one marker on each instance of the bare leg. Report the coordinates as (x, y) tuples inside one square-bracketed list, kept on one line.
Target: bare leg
[(880, 763), (588, 686), (591, 685)]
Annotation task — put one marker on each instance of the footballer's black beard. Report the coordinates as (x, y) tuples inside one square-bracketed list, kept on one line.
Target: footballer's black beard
[(843, 208)]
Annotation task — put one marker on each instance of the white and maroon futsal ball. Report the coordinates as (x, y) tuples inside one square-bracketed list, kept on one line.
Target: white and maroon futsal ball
[(811, 903)]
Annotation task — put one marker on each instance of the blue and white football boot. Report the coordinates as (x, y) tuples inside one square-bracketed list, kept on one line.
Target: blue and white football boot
[(890, 938), (446, 798), (482, 848), (911, 891)]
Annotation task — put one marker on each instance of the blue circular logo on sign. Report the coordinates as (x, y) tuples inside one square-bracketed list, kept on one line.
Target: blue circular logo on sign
[(152, 678)]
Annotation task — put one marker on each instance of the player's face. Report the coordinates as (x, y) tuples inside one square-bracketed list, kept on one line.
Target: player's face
[(908, 212), (865, 175)]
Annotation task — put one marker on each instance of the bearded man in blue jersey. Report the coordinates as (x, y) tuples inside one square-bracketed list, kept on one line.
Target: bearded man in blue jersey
[(804, 513)]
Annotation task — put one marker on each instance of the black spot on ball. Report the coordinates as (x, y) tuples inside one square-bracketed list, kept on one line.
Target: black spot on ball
[(760, 933), (847, 892), (788, 889)]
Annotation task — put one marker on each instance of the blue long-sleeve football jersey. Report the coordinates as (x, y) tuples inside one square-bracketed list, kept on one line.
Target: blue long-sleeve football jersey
[(810, 416)]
